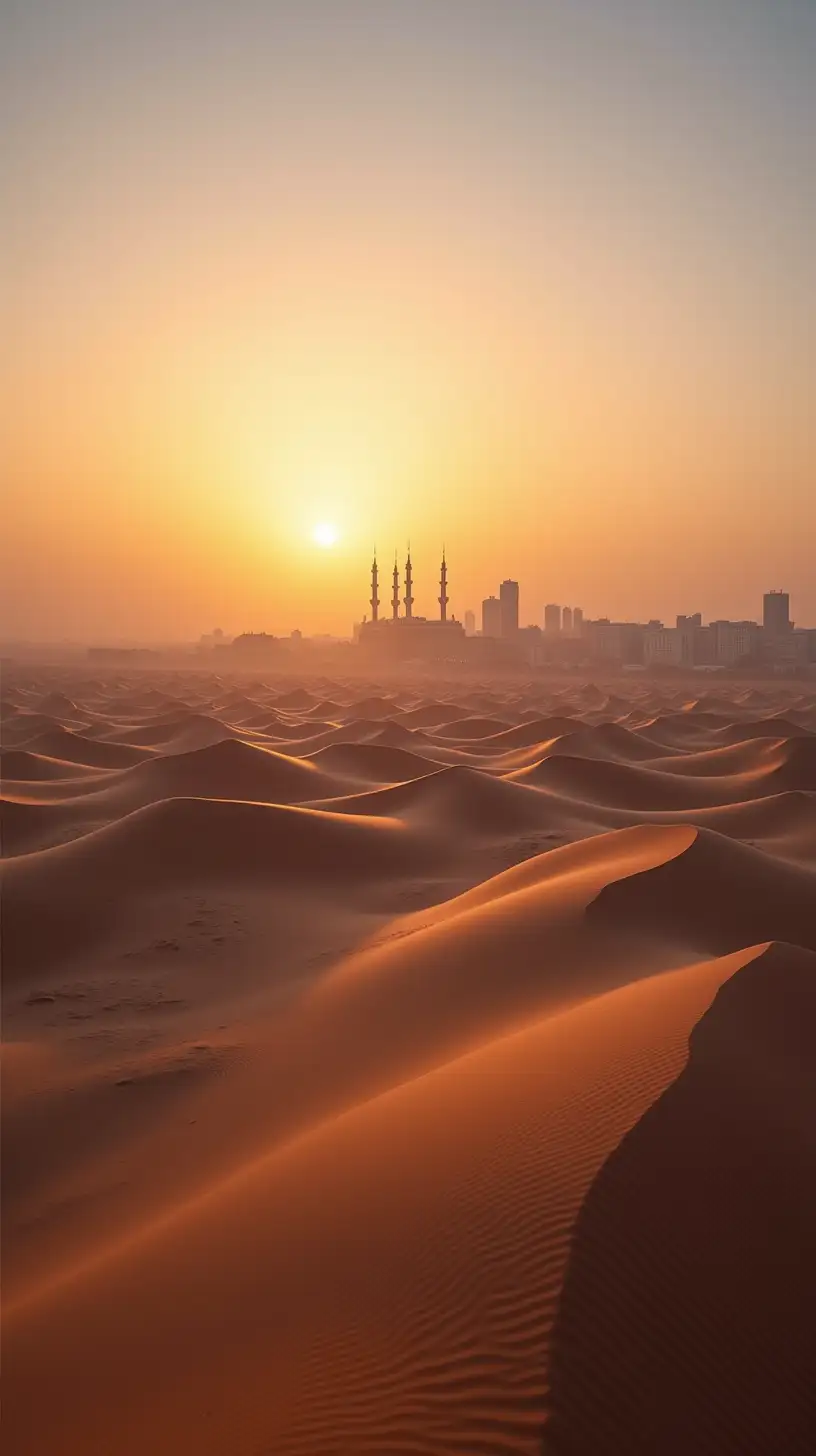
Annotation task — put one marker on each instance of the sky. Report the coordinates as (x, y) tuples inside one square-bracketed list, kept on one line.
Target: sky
[(534, 279)]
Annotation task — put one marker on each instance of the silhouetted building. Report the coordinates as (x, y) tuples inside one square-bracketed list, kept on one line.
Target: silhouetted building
[(552, 617), (256, 644), (470, 624), (443, 589), (509, 598), (735, 641), (788, 651), (689, 644), (409, 588), (806, 640), (491, 617), (619, 642), (776, 613), (666, 647), (577, 619), (401, 638), (529, 644), (375, 594), (566, 619)]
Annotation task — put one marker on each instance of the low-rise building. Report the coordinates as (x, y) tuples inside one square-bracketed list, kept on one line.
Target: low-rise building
[(735, 641), (689, 644), (619, 642)]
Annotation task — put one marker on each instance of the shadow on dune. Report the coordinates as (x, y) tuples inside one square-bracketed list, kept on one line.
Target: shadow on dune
[(716, 896), (686, 1316)]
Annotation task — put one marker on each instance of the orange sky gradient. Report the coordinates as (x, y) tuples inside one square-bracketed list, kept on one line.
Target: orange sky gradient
[(540, 287)]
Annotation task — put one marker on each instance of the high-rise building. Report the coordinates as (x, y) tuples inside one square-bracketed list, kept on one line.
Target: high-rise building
[(776, 613), (552, 617), (470, 624), (577, 619), (509, 599), (491, 617), (566, 619)]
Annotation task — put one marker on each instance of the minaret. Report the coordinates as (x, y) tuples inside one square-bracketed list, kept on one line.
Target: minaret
[(409, 582), (395, 593), (375, 596), (443, 589)]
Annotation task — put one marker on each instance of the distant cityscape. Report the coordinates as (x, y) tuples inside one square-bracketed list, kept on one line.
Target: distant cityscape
[(563, 637)]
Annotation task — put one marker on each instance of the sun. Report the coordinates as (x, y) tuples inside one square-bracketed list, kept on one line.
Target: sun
[(325, 534)]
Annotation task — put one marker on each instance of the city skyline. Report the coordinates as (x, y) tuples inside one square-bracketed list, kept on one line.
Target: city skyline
[(425, 605), (427, 608)]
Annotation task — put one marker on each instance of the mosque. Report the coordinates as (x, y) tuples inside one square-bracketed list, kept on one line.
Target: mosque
[(406, 636)]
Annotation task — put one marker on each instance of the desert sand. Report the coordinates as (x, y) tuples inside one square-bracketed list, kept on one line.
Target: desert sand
[(417, 1066)]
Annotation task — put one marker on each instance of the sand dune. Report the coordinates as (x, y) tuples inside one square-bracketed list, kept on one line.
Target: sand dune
[(783, 823), (606, 740), (297, 701), (457, 800), (773, 727), (75, 748), (284, 729), (659, 1306), (407, 1066), (432, 715), (179, 842), (442, 1328), (714, 891), (465, 729), (230, 769), (371, 762), (632, 786), (745, 774), (23, 765), (20, 731), (28, 825), (59, 705)]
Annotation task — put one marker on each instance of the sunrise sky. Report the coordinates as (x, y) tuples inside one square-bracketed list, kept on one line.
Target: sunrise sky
[(535, 278)]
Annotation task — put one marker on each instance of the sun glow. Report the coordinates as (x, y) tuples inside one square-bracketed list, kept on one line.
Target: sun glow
[(325, 534)]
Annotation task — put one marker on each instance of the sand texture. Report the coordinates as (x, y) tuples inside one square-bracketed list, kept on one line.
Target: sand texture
[(407, 1067)]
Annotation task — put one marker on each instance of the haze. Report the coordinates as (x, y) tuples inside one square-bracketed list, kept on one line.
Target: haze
[(532, 278)]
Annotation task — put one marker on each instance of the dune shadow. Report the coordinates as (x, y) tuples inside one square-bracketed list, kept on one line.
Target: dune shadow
[(687, 1320)]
